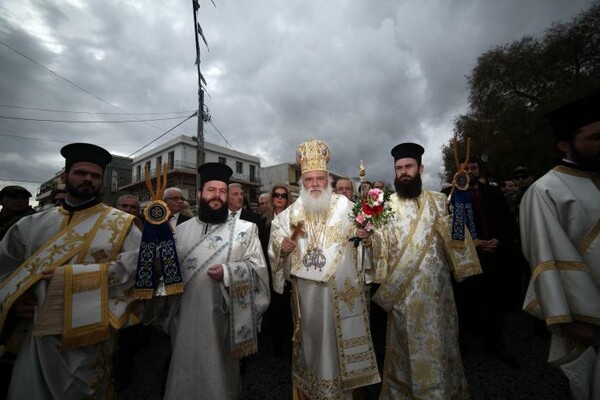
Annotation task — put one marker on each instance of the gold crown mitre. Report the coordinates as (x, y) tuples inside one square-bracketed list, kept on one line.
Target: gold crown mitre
[(313, 155)]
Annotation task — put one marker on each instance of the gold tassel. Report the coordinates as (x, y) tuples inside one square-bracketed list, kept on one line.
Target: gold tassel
[(241, 290), (143, 294), (457, 244), (174, 289), (87, 339), (244, 350), (86, 284)]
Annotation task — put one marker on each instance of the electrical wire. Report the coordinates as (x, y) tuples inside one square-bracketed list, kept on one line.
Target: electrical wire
[(63, 141), (163, 134), (93, 113), (68, 121)]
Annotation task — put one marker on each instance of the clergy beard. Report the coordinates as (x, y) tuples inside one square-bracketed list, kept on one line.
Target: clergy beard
[(408, 189), (210, 216), (87, 193), (316, 204)]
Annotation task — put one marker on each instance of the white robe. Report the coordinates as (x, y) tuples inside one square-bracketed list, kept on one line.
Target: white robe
[(42, 370), (422, 358), (333, 350), (202, 366), (560, 234)]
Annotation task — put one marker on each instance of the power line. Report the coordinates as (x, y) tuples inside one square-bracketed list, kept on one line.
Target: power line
[(68, 121), (93, 113), (71, 82), (163, 134), (58, 75), (63, 141), (220, 134)]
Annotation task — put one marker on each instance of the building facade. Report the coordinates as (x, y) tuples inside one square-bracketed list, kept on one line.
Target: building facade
[(179, 155)]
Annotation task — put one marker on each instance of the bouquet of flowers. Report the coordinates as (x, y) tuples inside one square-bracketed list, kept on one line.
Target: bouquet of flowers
[(372, 212)]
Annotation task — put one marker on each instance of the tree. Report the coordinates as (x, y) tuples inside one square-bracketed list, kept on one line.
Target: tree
[(514, 85)]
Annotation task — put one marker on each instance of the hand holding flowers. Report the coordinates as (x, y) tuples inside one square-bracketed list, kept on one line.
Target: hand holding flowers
[(372, 212)]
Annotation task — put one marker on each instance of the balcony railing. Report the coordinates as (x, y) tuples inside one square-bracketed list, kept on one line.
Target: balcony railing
[(180, 166)]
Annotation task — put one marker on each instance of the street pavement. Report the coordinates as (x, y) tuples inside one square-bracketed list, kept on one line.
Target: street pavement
[(268, 377)]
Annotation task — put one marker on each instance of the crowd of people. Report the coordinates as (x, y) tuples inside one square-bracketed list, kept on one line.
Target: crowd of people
[(325, 291)]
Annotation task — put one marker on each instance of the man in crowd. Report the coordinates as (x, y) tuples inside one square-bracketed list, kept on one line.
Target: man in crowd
[(214, 323), (235, 203), (508, 187), (129, 204), (174, 198), (80, 257), (560, 217), (128, 337), (58, 197), (422, 357), (264, 204), (345, 187), (15, 205), (379, 185), (333, 351), (522, 179), (484, 298)]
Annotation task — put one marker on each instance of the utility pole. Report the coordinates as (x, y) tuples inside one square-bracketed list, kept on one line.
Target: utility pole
[(201, 115)]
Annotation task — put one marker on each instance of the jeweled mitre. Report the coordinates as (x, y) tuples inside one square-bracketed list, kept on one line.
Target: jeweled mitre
[(313, 155)]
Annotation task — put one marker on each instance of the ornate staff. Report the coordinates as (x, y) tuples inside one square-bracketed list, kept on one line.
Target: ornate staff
[(461, 201), (158, 245), (362, 173)]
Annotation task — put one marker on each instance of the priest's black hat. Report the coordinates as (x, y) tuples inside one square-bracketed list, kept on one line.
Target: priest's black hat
[(566, 120), (408, 150), (214, 172), (14, 191), (85, 152)]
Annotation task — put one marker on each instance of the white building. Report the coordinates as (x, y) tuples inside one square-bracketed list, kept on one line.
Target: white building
[(180, 156)]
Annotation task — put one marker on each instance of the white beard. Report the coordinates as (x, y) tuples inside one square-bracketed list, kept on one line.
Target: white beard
[(316, 204)]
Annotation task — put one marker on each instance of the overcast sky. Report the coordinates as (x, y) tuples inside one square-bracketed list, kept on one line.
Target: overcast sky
[(362, 75)]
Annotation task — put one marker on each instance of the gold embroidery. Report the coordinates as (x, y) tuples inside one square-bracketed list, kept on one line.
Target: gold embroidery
[(100, 256), (350, 294), (557, 265), (86, 282), (355, 342), (115, 226), (316, 388), (357, 357), (589, 238)]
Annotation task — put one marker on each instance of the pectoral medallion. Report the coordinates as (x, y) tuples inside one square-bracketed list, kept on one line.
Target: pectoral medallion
[(314, 258)]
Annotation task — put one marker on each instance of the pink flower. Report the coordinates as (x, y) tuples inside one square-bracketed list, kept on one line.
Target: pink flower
[(368, 227), (360, 218)]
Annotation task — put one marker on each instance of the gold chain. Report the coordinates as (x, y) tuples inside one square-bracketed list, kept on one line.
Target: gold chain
[(316, 234)]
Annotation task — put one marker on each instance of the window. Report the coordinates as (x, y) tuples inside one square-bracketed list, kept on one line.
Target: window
[(171, 159), (252, 173), (149, 165), (222, 160), (239, 167), (138, 172), (159, 162)]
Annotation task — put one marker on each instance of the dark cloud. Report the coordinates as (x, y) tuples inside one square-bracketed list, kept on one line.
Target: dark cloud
[(362, 76)]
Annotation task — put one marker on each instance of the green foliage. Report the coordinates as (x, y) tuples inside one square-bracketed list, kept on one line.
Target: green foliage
[(514, 85)]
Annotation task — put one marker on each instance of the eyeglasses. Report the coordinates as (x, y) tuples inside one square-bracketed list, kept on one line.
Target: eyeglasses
[(280, 195), (176, 198)]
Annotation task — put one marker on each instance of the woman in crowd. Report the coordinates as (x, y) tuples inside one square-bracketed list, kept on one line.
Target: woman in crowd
[(280, 310)]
